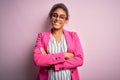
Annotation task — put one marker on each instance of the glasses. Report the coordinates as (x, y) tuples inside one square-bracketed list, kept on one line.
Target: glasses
[(61, 17)]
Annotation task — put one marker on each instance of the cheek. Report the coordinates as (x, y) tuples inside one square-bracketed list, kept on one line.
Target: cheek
[(51, 21), (64, 22)]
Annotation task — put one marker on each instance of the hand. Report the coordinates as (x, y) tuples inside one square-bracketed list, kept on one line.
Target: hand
[(42, 51), (69, 55)]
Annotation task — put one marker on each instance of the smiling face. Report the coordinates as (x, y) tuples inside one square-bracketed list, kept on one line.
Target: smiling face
[(58, 18)]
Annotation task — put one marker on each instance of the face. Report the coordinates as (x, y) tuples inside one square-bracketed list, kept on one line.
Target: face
[(58, 18)]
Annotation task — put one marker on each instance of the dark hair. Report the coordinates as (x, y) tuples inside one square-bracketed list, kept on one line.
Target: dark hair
[(59, 5)]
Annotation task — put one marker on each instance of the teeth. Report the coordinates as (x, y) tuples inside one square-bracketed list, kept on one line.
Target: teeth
[(57, 23)]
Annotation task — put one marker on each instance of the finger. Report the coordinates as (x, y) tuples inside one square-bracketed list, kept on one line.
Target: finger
[(42, 51)]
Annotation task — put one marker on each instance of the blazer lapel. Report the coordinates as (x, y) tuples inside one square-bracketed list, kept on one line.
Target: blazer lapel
[(46, 39), (68, 40)]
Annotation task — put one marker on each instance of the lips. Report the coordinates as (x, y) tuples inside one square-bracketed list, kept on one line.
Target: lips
[(56, 23)]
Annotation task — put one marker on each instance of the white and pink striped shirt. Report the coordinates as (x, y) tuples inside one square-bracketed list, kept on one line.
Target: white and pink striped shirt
[(56, 47)]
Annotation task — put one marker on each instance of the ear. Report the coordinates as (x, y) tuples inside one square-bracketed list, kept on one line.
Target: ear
[(50, 19), (67, 21)]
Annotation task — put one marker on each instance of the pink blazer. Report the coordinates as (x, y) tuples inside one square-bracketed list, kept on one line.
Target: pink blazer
[(58, 60)]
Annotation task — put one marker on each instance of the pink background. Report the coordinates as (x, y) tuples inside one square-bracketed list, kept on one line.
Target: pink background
[(97, 23)]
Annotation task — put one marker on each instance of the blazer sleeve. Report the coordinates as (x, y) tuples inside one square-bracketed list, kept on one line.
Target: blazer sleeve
[(45, 59), (77, 60)]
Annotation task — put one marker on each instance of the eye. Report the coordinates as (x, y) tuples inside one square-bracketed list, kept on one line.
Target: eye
[(62, 17), (55, 15)]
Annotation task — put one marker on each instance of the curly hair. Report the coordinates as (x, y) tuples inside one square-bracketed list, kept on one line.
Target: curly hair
[(59, 5)]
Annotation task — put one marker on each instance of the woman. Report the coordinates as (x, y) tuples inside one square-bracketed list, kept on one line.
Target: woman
[(58, 52)]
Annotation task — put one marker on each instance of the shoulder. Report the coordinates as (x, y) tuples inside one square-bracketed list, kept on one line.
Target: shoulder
[(72, 33), (44, 33)]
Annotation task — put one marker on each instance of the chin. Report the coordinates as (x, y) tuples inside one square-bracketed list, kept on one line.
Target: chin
[(57, 27)]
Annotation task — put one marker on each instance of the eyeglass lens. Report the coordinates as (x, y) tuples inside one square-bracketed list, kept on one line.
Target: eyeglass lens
[(62, 16)]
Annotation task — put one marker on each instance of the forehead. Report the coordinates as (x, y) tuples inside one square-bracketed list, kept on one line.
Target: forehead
[(60, 11)]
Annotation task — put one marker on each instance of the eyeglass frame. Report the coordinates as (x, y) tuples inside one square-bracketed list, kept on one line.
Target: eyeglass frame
[(61, 16)]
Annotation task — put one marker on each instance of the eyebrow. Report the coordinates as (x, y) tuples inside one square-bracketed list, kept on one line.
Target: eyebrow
[(60, 14)]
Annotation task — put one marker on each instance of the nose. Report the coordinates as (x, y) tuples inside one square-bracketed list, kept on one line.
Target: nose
[(57, 18)]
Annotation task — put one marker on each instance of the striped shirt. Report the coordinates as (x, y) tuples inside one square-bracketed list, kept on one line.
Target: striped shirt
[(55, 47)]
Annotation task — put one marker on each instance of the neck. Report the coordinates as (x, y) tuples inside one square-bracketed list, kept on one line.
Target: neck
[(57, 31)]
